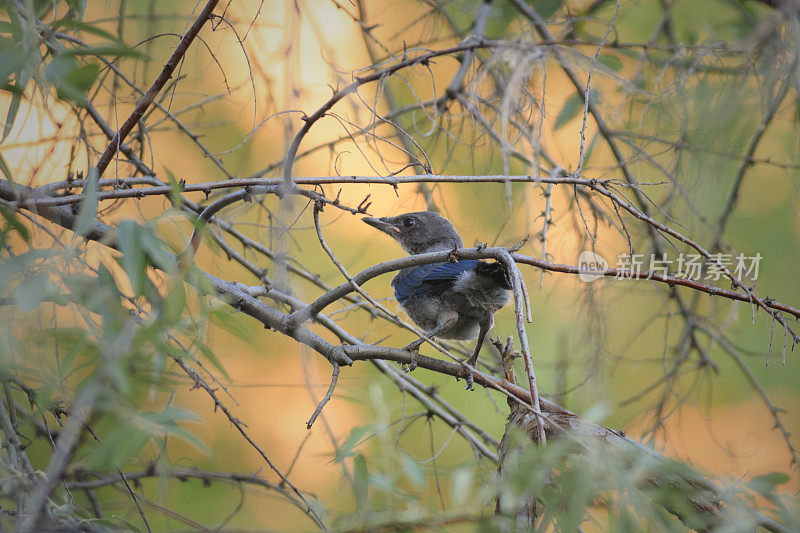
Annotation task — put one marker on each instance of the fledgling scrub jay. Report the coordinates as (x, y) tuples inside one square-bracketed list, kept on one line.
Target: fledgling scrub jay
[(448, 300)]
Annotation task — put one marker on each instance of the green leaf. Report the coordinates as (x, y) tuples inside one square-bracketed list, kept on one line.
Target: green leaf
[(166, 421), (72, 24), (4, 169), (16, 98), (79, 6), (766, 484), (353, 438), (572, 106), (212, 357), (13, 62), (171, 414), (33, 291), (546, 8), (155, 250), (231, 322), (114, 46), (120, 377), (174, 303), (88, 205), (133, 259), (177, 188), (11, 114), (14, 223), (127, 439), (412, 470), (70, 78), (73, 344), (124, 442), (690, 36), (360, 480), (18, 264), (118, 49), (612, 62), (461, 486), (384, 483)]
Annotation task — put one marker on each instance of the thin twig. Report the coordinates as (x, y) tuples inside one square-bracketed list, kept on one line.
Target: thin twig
[(163, 77), (327, 397)]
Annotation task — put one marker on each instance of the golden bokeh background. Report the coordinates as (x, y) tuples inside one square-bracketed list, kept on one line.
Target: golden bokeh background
[(285, 64)]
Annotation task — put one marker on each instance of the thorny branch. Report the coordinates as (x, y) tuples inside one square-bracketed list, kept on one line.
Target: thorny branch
[(254, 186), (241, 299)]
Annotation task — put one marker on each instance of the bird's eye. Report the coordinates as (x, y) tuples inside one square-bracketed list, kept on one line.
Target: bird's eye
[(408, 222)]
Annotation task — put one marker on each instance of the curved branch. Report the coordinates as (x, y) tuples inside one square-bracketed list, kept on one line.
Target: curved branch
[(422, 59)]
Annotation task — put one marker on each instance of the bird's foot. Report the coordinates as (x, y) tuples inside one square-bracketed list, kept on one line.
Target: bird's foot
[(409, 367), (414, 349), (469, 380), (468, 366), (453, 256)]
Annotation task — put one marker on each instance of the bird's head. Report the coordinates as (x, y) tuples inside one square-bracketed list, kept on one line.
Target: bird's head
[(420, 232)]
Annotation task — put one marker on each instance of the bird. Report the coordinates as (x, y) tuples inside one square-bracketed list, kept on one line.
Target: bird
[(449, 300)]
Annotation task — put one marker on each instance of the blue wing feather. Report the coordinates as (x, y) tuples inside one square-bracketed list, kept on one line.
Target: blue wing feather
[(429, 280)]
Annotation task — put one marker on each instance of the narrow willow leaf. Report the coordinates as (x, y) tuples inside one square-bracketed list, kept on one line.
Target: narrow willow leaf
[(4, 169), (360, 482), (572, 106), (88, 206), (133, 259), (16, 99)]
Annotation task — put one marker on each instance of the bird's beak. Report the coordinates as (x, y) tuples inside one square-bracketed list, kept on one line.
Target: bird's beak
[(382, 225)]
